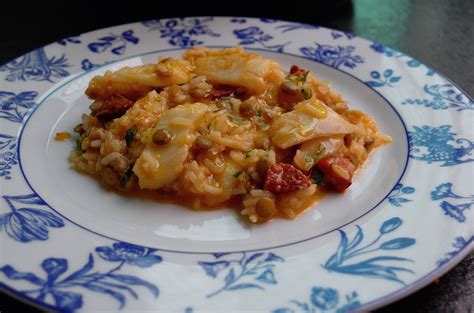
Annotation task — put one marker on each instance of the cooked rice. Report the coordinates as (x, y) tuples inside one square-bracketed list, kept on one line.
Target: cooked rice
[(238, 130)]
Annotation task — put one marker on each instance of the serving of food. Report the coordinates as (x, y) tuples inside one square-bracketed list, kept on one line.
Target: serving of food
[(223, 126)]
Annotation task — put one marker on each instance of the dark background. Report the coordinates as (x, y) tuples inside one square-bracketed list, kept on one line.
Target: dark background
[(439, 33)]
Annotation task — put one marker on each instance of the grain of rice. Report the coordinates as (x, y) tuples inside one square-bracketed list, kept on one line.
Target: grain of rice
[(180, 98), (120, 164), (261, 193), (212, 189), (237, 156), (85, 144), (90, 156), (110, 157), (271, 156), (95, 143), (213, 166)]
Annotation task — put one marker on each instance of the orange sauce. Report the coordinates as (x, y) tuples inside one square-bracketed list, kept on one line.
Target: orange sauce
[(62, 136), (188, 202)]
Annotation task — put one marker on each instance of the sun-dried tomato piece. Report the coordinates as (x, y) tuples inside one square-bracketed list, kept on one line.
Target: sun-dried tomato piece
[(338, 172), (113, 107), (284, 177), (295, 68)]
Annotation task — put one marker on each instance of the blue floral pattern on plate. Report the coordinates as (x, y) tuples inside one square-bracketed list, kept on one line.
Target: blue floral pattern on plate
[(69, 40), (373, 267), (458, 244), (442, 97), (63, 291), (381, 80), (334, 56), (389, 52), (416, 63), (338, 34), (252, 271), (15, 107), (238, 20), (87, 65), (253, 34), (8, 155), (27, 224), (396, 196), (116, 43), (181, 31), (36, 66), (455, 211), (439, 144), (323, 300)]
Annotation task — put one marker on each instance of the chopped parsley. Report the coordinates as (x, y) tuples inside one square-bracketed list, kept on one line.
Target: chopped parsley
[(316, 176), (320, 152), (304, 76), (79, 143), (263, 126), (126, 176), (259, 113), (129, 135), (237, 174), (308, 158), (298, 77), (306, 94)]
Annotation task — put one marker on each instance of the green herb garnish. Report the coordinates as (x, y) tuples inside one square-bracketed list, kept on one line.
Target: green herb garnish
[(247, 154), (79, 143), (259, 113), (298, 77), (237, 120), (126, 176), (306, 94), (316, 176), (304, 77), (237, 174), (263, 126), (308, 158), (320, 152), (129, 135)]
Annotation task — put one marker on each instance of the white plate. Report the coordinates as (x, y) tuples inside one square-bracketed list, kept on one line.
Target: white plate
[(67, 244)]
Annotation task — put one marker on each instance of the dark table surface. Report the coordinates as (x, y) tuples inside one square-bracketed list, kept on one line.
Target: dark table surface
[(439, 33)]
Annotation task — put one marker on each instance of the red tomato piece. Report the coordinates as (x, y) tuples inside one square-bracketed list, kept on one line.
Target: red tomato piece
[(284, 177), (295, 68)]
